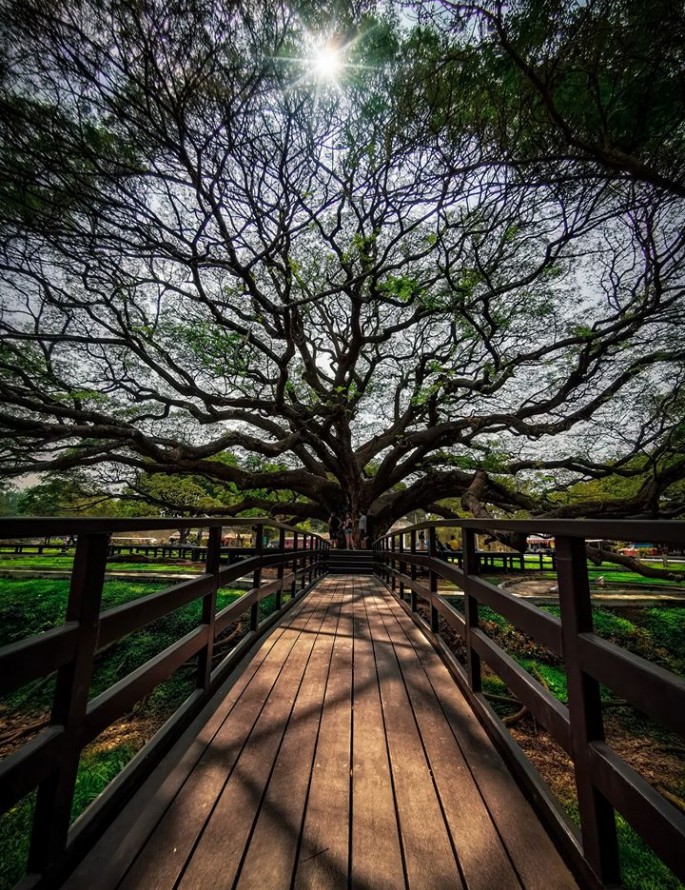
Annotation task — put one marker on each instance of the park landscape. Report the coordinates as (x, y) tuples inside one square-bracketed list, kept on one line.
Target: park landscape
[(407, 260)]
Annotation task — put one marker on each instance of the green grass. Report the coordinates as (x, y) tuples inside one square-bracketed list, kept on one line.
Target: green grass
[(668, 627), (33, 605), (15, 833), (641, 868), (96, 770), (552, 676), (65, 562), (616, 575), (534, 561)]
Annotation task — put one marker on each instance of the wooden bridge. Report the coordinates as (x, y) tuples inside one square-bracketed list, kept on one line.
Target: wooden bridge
[(343, 754), (332, 747)]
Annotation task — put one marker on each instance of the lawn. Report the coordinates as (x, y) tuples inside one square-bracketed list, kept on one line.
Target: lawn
[(64, 563)]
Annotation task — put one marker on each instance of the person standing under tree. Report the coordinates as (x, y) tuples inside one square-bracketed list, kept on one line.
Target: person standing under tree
[(333, 528), (362, 526), (347, 529)]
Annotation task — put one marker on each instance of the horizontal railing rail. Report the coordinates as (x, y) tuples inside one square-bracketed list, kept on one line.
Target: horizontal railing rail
[(49, 762), (605, 783)]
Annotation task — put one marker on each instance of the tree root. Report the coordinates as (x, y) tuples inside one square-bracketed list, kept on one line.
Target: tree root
[(672, 798), (226, 641), (24, 730), (515, 718), (503, 699), (507, 700)]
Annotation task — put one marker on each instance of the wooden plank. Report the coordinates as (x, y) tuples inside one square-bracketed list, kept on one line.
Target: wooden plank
[(324, 845), (22, 770), (528, 845), (37, 656), (111, 858), (649, 687), (376, 855), (469, 820), (271, 853), (246, 753), (430, 860)]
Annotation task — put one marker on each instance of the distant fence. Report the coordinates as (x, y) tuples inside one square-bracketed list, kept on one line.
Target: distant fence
[(604, 781), (49, 762), (488, 561)]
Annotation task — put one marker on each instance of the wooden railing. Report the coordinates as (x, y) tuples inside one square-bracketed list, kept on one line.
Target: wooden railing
[(50, 761), (604, 781)]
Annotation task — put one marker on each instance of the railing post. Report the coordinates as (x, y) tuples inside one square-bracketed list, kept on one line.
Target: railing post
[(473, 666), (403, 565), (393, 578), (204, 661), (280, 571), (310, 559), (55, 794), (433, 579), (257, 576), (293, 586), (598, 824), (303, 562), (412, 546), (323, 549)]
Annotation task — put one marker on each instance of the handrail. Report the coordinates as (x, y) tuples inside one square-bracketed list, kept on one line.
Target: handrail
[(604, 781), (49, 762), (30, 526), (665, 531)]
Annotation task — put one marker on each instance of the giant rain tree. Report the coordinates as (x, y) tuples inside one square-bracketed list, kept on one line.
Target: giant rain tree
[(380, 286)]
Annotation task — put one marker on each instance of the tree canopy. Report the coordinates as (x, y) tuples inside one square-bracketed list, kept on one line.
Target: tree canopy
[(451, 267)]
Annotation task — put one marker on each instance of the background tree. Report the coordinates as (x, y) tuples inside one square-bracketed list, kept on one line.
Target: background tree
[(380, 278), (8, 500), (63, 494)]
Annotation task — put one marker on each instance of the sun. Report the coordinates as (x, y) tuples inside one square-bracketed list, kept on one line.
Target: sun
[(327, 63)]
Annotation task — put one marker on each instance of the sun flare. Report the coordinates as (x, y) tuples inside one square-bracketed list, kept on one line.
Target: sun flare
[(327, 63)]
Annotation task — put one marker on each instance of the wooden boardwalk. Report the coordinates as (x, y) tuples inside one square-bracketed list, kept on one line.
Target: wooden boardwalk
[(343, 755)]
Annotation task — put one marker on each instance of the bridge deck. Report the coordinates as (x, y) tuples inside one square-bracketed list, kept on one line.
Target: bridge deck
[(342, 756)]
